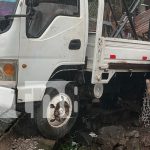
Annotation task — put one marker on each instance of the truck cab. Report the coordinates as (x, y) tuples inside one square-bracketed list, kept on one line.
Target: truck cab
[(38, 41), (52, 51)]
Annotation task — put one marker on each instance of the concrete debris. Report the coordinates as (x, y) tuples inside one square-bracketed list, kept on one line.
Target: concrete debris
[(118, 138), (145, 140), (134, 134), (110, 137), (7, 119)]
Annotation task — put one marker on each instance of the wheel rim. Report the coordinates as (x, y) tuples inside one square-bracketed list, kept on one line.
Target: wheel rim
[(59, 110)]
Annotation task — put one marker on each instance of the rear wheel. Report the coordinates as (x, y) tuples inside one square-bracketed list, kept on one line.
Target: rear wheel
[(58, 112)]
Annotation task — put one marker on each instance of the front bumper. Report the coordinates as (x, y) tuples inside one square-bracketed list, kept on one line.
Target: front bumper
[(7, 99)]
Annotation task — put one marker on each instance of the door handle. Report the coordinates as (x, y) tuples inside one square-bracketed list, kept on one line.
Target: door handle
[(75, 44)]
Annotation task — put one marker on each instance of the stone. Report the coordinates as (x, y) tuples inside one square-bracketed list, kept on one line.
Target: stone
[(111, 136), (119, 148), (145, 140), (133, 144), (134, 134)]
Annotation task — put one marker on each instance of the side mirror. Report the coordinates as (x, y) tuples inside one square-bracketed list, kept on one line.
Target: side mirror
[(32, 3)]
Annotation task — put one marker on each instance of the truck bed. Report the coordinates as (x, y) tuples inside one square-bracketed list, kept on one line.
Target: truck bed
[(117, 55)]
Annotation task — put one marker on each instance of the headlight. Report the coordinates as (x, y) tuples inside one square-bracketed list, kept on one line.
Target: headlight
[(9, 70), (8, 73)]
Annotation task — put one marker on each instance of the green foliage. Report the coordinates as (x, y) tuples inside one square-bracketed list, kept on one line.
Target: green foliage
[(69, 145)]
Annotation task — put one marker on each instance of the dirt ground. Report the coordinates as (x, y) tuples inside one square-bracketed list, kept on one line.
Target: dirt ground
[(109, 129), (24, 136)]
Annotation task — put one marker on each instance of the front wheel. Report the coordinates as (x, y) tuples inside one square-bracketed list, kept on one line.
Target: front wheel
[(58, 111)]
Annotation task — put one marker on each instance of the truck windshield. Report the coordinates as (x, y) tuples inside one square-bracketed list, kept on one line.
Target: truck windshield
[(7, 7)]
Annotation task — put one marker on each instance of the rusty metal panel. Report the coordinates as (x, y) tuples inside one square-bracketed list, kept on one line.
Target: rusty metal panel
[(142, 22)]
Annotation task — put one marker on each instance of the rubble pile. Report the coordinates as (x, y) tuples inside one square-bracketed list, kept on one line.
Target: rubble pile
[(118, 138)]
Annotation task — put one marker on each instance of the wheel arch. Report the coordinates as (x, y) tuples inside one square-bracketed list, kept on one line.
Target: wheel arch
[(67, 72)]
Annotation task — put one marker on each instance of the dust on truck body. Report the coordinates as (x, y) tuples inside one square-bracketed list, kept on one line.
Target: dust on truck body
[(51, 50)]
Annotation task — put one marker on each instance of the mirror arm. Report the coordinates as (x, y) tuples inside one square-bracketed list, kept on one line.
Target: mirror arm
[(7, 17), (15, 16)]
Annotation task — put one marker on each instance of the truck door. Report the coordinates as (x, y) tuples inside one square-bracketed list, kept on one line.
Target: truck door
[(55, 35)]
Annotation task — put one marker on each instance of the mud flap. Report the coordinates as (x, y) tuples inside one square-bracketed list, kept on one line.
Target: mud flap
[(7, 99)]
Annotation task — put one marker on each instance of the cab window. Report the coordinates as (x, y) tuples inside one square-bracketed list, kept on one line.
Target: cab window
[(7, 7), (46, 12)]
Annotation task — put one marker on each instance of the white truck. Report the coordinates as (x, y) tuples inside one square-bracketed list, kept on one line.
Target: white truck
[(50, 50)]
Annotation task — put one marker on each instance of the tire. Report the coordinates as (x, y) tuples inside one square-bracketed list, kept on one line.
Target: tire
[(55, 126)]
